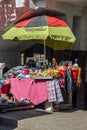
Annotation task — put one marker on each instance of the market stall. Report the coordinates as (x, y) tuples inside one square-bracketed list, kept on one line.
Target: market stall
[(40, 84), (52, 87)]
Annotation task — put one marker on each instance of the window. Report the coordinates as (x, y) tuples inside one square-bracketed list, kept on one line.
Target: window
[(20, 3)]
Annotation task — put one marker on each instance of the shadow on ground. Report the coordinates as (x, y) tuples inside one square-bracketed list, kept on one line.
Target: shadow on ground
[(70, 110), (10, 119)]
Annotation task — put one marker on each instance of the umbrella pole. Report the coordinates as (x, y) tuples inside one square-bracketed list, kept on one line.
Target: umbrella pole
[(44, 51)]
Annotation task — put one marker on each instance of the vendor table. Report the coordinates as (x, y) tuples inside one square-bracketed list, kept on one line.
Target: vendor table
[(35, 91)]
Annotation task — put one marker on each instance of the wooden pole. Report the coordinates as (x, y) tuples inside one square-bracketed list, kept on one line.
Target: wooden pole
[(44, 50)]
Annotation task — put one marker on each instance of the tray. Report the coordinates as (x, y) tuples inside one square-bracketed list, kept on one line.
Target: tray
[(41, 77)]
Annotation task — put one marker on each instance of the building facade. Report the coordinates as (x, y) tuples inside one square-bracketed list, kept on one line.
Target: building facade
[(10, 10)]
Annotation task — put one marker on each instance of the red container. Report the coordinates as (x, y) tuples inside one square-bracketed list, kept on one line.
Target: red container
[(25, 71), (5, 88)]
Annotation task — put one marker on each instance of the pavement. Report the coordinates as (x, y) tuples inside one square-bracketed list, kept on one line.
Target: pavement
[(37, 119)]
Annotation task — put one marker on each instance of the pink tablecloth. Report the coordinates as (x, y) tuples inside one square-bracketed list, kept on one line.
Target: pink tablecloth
[(36, 92)]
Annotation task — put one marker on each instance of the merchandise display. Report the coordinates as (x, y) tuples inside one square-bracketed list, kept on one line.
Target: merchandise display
[(29, 85)]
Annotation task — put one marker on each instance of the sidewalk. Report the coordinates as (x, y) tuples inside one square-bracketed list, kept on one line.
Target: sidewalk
[(41, 120)]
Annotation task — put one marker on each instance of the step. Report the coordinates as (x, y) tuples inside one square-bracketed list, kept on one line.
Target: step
[(6, 127), (4, 121)]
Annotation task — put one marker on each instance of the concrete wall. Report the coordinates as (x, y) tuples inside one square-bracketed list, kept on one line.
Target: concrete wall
[(72, 11), (10, 59), (83, 43)]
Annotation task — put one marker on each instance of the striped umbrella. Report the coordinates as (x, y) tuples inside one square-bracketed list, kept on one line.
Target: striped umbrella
[(53, 31)]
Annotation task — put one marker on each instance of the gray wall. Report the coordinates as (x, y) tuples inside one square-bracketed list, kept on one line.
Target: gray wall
[(83, 43), (10, 59)]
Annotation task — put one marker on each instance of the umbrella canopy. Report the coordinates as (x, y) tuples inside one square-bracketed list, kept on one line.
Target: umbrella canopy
[(40, 28), (44, 26)]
